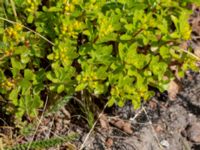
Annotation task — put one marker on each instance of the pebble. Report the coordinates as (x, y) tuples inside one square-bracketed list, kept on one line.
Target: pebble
[(193, 132), (165, 143)]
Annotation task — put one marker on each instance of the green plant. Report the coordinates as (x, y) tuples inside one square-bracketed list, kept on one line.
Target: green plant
[(47, 143), (115, 48)]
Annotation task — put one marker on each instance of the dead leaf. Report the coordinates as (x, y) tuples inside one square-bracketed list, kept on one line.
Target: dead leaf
[(70, 146), (119, 124), (104, 122), (184, 45), (189, 76), (127, 128), (174, 68), (173, 89), (123, 125), (158, 128), (109, 142)]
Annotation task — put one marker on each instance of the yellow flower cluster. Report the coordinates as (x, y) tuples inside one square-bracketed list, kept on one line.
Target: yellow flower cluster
[(71, 29), (32, 5), (105, 27), (8, 84), (14, 32)]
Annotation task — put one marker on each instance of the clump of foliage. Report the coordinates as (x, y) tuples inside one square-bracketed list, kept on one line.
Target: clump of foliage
[(47, 143), (116, 48)]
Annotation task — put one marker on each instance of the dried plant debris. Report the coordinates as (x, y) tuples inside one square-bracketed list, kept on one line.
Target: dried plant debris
[(121, 124), (173, 89)]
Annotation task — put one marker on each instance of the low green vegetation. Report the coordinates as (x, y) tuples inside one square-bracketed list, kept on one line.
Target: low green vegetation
[(118, 49)]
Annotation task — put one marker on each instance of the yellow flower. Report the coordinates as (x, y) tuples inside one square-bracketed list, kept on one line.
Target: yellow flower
[(77, 25), (10, 84), (64, 1), (67, 8), (29, 1), (75, 1), (62, 56), (56, 56), (18, 27), (85, 78), (71, 8)]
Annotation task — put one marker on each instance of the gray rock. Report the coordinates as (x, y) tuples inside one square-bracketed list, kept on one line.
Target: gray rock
[(193, 132)]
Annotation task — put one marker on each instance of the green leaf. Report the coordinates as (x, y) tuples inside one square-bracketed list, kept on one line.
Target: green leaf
[(54, 9), (175, 21), (25, 86), (184, 25), (122, 50), (38, 88), (125, 37), (30, 18), (16, 64), (37, 102), (51, 56), (21, 50), (2, 76), (164, 52), (13, 96), (80, 87), (111, 101), (136, 103), (129, 27), (60, 88), (99, 89), (24, 58), (120, 103), (28, 74)]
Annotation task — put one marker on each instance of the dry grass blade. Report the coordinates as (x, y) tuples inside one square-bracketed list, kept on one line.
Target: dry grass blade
[(1, 144), (88, 135), (153, 130), (136, 115), (14, 9), (191, 54)]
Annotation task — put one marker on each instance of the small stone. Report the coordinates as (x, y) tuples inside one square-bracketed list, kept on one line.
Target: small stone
[(165, 143), (159, 128), (193, 132)]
